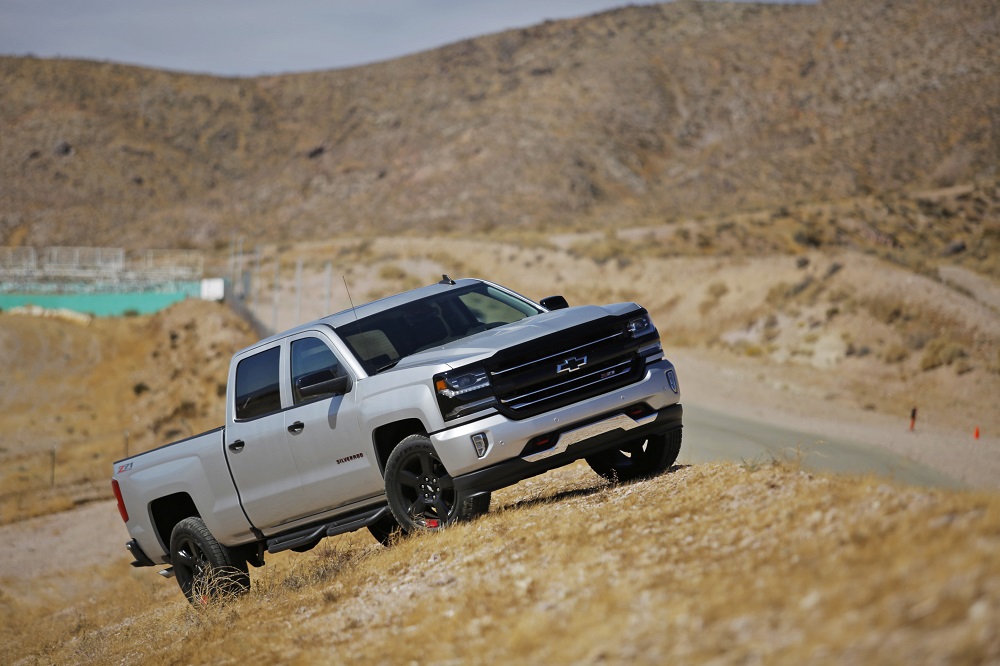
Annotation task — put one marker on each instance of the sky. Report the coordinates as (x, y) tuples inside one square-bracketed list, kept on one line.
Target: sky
[(251, 37)]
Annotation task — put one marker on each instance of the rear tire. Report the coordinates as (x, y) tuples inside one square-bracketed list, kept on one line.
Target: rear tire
[(638, 458), (205, 569), (421, 493)]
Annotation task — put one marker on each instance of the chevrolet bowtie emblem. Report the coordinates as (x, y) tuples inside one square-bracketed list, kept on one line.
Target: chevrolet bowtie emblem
[(571, 364)]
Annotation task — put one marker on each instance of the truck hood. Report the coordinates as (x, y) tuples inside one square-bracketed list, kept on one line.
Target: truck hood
[(483, 345)]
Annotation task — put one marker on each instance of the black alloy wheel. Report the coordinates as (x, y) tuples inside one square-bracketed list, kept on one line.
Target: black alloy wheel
[(420, 491), (637, 458), (205, 569)]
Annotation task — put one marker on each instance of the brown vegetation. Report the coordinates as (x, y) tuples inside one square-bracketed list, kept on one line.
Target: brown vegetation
[(711, 562), (76, 397)]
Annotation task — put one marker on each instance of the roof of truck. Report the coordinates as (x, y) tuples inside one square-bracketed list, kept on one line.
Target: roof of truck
[(381, 305), (394, 301)]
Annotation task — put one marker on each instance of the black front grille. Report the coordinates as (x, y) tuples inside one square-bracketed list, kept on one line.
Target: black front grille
[(564, 368)]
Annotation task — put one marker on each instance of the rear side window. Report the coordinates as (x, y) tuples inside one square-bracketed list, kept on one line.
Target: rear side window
[(257, 388)]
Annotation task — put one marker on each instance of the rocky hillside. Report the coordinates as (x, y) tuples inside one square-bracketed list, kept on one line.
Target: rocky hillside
[(634, 116)]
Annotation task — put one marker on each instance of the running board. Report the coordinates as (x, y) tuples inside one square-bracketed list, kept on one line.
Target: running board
[(315, 533), (167, 573)]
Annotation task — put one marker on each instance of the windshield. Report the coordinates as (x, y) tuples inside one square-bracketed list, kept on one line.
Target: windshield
[(379, 341)]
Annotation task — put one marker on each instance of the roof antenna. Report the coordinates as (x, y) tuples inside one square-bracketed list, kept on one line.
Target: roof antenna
[(357, 322), (351, 300), (446, 280)]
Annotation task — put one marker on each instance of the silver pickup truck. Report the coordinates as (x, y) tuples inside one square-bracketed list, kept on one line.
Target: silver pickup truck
[(402, 414)]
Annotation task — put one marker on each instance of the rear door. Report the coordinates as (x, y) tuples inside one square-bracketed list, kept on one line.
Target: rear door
[(263, 468)]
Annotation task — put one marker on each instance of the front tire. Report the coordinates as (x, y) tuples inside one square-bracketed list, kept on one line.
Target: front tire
[(421, 493), (638, 458), (205, 569)]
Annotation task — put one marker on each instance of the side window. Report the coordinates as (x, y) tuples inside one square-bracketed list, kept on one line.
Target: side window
[(313, 366), (257, 389)]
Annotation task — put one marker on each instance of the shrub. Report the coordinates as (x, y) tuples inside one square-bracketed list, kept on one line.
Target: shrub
[(391, 272), (717, 290), (888, 310), (896, 353), (941, 351)]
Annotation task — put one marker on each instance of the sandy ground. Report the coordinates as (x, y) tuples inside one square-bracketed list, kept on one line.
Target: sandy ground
[(86, 536), (94, 534)]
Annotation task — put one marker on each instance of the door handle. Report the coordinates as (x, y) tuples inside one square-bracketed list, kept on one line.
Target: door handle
[(237, 446), (296, 427)]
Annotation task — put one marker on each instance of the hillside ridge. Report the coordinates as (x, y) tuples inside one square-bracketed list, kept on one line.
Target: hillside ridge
[(636, 115)]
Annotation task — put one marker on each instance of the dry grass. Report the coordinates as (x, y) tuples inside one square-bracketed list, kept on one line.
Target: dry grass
[(710, 563), (36, 483), (941, 351), (72, 397)]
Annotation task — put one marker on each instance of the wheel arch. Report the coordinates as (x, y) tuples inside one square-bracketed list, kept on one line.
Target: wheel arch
[(165, 512), (388, 436)]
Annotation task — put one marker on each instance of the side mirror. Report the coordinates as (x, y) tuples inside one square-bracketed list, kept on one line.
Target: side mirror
[(554, 303), (321, 384)]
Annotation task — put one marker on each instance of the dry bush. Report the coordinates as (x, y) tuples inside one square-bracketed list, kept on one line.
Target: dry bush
[(889, 310), (714, 294), (895, 353), (359, 250), (392, 273), (608, 248), (941, 351)]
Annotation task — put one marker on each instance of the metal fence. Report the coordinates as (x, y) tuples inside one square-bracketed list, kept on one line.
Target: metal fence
[(23, 268)]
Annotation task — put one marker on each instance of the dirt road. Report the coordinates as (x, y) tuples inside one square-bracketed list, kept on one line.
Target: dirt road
[(711, 435), (743, 411)]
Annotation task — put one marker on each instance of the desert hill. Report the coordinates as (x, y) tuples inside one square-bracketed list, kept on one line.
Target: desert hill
[(805, 197), (639, 115)]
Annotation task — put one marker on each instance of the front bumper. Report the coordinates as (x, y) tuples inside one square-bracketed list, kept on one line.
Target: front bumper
[(506, 438), (572, 444)]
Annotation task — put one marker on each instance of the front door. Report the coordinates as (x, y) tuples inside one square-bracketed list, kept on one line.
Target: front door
[(335, 462)]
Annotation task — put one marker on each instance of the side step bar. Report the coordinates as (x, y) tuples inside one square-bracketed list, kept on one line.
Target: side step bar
[(313, 534)]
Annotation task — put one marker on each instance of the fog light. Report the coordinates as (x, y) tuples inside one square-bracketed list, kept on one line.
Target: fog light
[(672, 380), (480, 442)]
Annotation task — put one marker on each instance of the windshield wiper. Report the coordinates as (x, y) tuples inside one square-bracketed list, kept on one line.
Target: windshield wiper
[(388, 366)]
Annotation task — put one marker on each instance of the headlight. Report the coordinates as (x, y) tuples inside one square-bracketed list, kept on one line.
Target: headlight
[(640, 326), (463, 391)]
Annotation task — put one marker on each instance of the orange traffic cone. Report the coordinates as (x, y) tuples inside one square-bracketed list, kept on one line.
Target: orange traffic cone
[(976, 434)]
